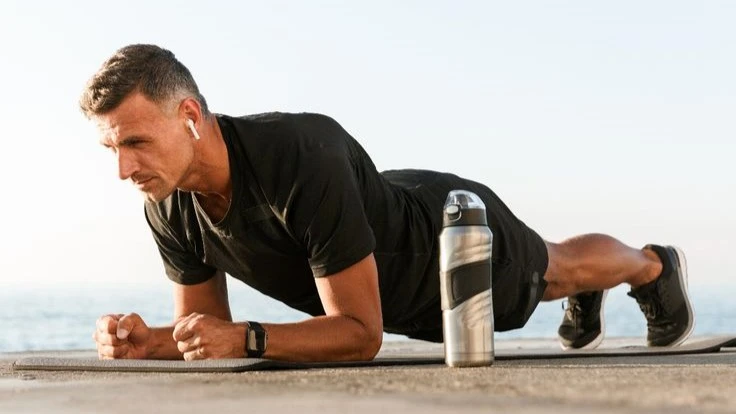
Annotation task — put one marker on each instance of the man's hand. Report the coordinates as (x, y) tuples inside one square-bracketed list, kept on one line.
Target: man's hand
[(122, 337), (201, 336)]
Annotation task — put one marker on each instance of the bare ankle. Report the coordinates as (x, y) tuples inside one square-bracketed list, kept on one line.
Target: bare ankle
[(651, 270)]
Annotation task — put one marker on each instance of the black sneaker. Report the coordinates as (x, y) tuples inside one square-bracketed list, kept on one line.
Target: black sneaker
[(583, 326), (665, 301)]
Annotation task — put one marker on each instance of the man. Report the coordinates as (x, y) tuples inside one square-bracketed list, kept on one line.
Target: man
[(292, 205)]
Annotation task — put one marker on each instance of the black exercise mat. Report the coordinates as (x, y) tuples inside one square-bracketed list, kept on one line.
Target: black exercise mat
[(434, 356)]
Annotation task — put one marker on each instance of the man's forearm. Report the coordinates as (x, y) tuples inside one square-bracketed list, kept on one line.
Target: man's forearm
[(324, 338), (162, 344)]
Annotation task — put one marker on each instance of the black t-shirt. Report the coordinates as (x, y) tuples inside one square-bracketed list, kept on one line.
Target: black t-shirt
[(308, 202)]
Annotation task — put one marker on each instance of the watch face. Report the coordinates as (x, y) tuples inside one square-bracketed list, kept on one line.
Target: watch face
[(252, 342)]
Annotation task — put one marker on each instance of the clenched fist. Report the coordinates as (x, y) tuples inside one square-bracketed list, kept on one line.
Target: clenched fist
[(201, 336), (122, 337)]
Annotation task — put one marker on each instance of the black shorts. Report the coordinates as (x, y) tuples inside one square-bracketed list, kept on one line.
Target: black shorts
[(519, 257)]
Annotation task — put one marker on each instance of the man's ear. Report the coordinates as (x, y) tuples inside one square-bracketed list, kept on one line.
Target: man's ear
[(190, 109)]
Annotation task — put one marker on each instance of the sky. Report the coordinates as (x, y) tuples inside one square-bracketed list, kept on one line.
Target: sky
[(583, 116)]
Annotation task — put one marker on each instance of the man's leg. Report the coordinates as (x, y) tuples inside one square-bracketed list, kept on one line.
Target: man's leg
[(582, 268), (594, 262)]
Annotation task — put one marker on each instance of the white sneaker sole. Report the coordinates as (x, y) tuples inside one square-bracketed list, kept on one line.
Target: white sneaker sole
[(598, 339)]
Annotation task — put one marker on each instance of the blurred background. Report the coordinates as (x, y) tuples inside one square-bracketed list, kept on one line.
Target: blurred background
[(612, 117)]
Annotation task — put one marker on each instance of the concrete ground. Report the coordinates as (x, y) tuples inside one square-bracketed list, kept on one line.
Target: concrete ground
[(665, 384)]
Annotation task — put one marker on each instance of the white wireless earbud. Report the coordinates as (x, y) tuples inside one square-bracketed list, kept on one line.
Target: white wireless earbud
[(190, 124)]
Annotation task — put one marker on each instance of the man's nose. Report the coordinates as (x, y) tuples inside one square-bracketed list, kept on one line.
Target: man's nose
[(126, 165)]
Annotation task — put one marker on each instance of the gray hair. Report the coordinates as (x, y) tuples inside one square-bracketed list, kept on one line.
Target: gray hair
[(151, 70)]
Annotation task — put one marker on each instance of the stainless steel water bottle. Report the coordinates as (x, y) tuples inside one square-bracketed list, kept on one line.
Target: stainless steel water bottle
[(466, 243)]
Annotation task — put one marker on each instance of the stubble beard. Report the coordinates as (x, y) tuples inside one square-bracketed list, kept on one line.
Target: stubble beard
[(157, 194)]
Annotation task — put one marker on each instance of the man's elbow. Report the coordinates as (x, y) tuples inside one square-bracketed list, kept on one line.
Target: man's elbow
[(371, 344)]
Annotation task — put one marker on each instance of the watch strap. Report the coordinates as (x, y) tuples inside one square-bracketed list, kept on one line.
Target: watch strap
[(255, 340)]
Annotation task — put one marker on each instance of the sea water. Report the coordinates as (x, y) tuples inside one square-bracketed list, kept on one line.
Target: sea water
[(63, 318)]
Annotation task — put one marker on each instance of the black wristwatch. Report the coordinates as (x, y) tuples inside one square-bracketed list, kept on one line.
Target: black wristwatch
[(255, 340)]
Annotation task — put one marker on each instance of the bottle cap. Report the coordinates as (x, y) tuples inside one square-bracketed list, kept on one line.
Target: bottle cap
[(464, 200), (464, 208)]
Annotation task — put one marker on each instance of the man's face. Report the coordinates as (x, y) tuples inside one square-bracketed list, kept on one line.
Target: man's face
[(152, 146)]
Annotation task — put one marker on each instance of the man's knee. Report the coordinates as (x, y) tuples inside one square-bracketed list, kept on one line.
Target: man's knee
[(555, 291), (561, 272)]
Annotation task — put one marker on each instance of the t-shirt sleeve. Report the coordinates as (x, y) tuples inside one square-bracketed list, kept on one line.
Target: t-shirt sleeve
[(180, 263), (326, 213)]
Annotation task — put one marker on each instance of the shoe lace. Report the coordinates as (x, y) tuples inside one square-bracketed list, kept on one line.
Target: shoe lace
[(573, 310), (651, 310), (651, 305)]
